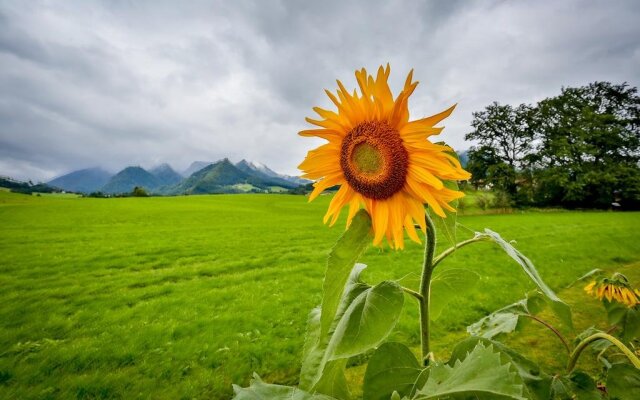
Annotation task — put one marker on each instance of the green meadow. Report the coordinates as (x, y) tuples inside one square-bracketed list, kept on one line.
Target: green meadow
[(179, 297)]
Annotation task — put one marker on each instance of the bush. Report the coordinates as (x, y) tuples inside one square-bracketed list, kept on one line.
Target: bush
[(139, 192)]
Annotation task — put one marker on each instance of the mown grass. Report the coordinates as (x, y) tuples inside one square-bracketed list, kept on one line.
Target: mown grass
[(180, 297)]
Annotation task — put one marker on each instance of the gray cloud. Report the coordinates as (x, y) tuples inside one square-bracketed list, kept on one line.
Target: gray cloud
[(121, 83)]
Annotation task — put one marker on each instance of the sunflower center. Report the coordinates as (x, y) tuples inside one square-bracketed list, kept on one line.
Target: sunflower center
[(374, 160), (366, 158)]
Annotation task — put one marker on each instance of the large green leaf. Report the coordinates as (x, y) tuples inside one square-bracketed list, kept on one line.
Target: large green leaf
[(623, 382), (341, 260), (506, 319), (367, 321), (332, 382), (317, 372), (447, 284), (259, 390), (578, 385), (392, 368), (560, 308), (537, 382), (480, 375), (628, 319)]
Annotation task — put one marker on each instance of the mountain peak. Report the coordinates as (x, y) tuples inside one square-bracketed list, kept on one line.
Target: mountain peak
[(84, 180), (130, 177), (195, 167), (166, 175)]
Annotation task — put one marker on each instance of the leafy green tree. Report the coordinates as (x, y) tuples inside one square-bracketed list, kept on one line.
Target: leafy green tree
[(139, 192), (504, 138), (589, 146)]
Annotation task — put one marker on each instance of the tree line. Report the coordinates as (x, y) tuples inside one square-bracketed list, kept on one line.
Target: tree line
[(580, 149)]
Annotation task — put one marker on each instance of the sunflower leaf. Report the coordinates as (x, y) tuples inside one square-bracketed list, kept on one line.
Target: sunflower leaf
[(623, 382), (317, 372), (537, 382), (480, 375), (367, 321), (393, 368), (505, 320), (341, 260), (628, 319), (578, 385), (447, 284), (259, 390), (559, 307)]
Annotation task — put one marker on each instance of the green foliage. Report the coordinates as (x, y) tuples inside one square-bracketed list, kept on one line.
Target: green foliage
[(627, 319), (368, 320), (537, 382), (392, 368), (479, 375), (354, 317), (578, 149), (341, 260), (559, 307), (623, 382), (259, 390), (578, 385), (505, 320), (139, 192)]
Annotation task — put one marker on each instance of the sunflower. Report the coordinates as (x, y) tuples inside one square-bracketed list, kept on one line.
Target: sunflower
[(614, 289), (380, 159)]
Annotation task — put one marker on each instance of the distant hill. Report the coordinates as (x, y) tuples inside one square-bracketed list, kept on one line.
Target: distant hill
[(266, 172), (130, 177), (207, 177), (166, 175), (83, 181), (25, 187), (195, 167), (224, 177)]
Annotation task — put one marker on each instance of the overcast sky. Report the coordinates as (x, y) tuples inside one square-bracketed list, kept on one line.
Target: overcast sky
[(117, 83)]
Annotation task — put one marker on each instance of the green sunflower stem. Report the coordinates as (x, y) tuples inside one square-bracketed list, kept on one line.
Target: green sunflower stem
[(425, 289), (573, 358)]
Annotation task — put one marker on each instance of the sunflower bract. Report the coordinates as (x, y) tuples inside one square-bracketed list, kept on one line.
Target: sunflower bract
[(381, 160)]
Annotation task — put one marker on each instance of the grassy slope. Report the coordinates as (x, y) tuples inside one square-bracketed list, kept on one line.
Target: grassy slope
[(180, 297)]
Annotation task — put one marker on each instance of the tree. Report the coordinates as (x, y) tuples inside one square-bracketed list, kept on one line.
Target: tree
[(139, 192), (504, 129), (505, 138), (589, 146)]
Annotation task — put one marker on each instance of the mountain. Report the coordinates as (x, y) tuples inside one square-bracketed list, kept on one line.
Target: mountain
[(224, 177), (195, 167), (166, 175), (257, 167), (267, 173), (296, 180), (130, 177), (83, 181)]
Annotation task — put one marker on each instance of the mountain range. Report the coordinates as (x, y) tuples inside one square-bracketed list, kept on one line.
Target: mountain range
[(200, 178)]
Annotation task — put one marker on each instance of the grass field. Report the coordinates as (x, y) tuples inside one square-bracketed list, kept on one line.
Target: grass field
[(179, 297)]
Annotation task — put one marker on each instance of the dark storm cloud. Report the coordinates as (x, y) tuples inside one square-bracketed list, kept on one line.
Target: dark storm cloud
[(120, 83)]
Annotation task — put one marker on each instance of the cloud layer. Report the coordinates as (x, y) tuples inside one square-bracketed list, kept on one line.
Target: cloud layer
[(119, 83)]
